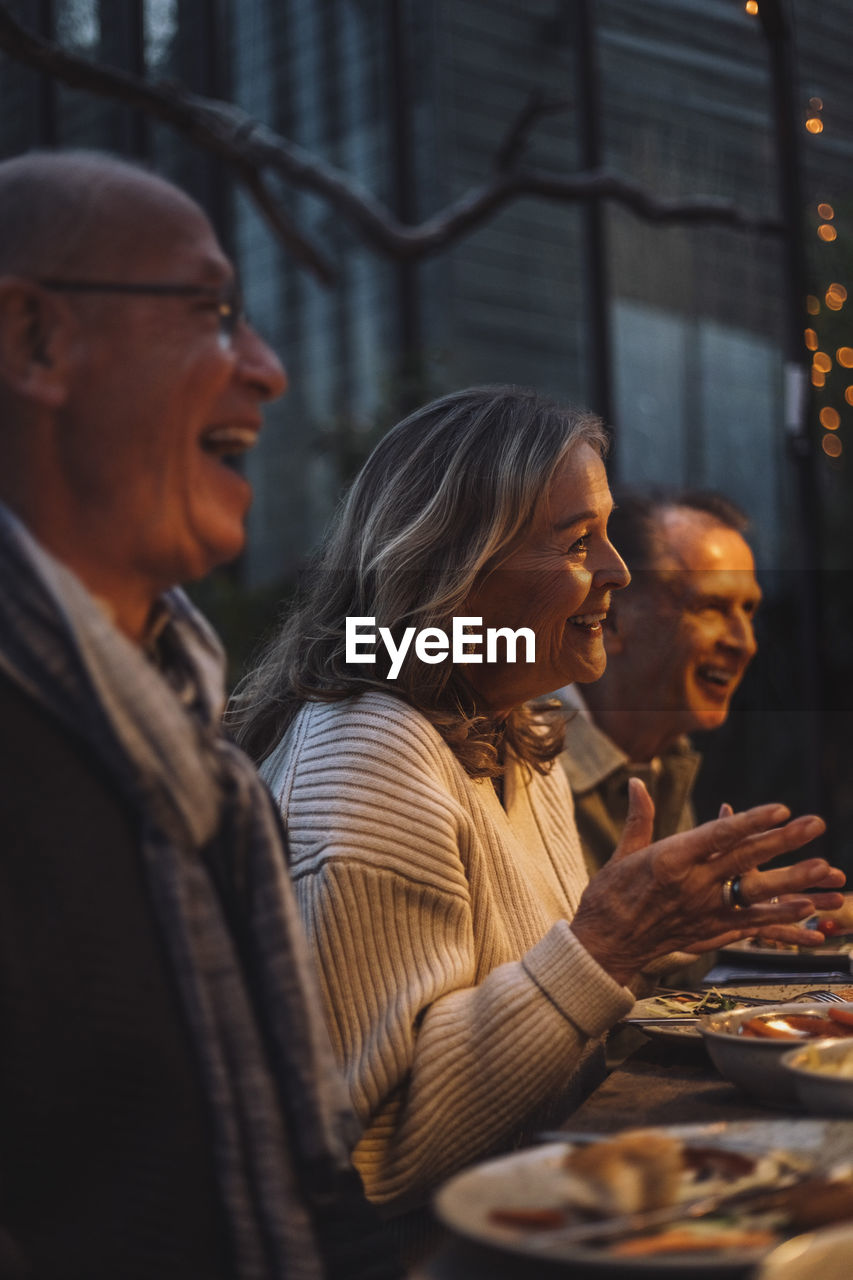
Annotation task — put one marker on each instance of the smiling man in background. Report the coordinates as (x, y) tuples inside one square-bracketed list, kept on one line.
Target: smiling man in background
[(169, 1106), (678, 642)]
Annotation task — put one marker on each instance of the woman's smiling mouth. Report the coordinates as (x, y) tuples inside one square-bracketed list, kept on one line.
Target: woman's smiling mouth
[(588, 621)]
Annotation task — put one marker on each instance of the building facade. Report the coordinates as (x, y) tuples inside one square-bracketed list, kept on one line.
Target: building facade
[(691, 337)]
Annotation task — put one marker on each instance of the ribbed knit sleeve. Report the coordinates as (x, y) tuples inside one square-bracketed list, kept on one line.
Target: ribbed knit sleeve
[(458, 1005)]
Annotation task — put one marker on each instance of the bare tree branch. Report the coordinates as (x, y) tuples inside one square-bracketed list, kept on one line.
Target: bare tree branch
[(251, 149), (306, 253), (214, 126), (513, 145)]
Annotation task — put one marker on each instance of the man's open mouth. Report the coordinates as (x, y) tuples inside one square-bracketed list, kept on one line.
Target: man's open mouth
[(719, 676), (229, 442)]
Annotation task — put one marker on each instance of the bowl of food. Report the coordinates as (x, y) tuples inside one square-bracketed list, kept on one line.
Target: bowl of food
[(822, 1075), (825, 1253), (747, 1045)]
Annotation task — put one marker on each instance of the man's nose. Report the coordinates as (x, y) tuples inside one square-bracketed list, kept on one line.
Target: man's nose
[(259, 365), (740, 633)]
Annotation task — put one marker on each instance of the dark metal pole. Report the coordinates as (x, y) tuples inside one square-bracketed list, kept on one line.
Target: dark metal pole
[(405, 200), (788, 134), (123, 43), (47, 130), (594, 211)]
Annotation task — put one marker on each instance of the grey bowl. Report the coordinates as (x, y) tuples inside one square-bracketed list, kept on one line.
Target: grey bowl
[(817, 1089), (754, 1064)]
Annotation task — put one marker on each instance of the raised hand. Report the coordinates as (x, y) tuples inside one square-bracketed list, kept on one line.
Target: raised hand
[(676, 895)]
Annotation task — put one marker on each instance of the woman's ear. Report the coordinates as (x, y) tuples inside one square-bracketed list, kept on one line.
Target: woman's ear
[(34, 342)]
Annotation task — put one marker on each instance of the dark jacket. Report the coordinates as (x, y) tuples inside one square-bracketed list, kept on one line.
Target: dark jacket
[(106, 1168)]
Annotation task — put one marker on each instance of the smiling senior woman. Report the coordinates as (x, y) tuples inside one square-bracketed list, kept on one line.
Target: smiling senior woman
[(466, 964)]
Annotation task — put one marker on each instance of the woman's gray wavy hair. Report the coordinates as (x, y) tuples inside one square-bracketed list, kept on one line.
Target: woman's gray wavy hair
[(440, 501)]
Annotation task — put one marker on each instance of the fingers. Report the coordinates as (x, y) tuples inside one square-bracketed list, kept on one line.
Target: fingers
[(820, 902), (714, 839), (797, 934), (640, 821), (759, 919), (732, 829), (757, 886), (760, 846)]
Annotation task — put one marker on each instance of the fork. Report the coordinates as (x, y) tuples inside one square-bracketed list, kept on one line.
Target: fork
[(822, 997)]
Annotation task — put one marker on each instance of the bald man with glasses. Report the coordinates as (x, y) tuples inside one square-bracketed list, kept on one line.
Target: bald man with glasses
[(169, 1107)]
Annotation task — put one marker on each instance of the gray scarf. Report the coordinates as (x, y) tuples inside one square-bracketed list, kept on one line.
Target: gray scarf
[(214, 857)]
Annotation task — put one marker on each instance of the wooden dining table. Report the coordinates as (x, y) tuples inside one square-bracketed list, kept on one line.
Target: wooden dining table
[(652, 1081)]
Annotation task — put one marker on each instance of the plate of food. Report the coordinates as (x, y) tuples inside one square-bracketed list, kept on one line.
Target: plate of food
[(834, 954), (675, 1015), (708, 1200)]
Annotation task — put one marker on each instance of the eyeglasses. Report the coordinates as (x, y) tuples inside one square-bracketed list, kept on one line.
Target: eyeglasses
[(228, 297)]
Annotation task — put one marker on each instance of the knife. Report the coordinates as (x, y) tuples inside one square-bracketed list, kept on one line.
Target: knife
[(675, 1020), (635, 1223)]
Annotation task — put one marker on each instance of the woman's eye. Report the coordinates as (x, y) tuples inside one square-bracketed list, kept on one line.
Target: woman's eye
[(580, 546)]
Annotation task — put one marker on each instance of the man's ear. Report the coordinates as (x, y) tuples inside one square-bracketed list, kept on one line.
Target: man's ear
[(34, 342)]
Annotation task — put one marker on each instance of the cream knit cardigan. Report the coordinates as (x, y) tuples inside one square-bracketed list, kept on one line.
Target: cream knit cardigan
[(458, 998)]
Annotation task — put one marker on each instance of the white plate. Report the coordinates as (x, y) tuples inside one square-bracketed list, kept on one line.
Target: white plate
[(814, 959), (528, 1179), (647, 1013)]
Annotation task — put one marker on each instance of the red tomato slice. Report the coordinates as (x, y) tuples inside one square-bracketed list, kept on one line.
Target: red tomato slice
[(840, 1015)]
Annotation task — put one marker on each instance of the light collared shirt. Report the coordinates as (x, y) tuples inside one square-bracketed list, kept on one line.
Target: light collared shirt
[(598, 772)]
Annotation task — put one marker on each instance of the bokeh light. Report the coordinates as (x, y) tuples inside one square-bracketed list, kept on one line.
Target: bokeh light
[(826, 211), (812, 305), (818, 378), (826, 232), (831, 446), (830, 418), (810, 339), (822, 361), (844, 356), (814, 125)]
